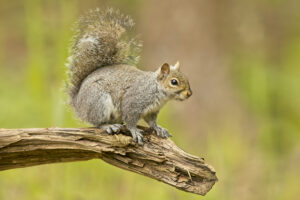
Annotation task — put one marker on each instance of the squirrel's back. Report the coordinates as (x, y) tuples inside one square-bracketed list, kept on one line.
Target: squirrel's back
[(100, 40)]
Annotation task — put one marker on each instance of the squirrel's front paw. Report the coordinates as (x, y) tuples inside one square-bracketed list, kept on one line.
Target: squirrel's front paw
[(137, 135), (162, 132)]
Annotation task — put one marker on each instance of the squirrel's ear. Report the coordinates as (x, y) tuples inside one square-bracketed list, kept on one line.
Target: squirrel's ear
[(176, 66), (164, 71), (165, 68)]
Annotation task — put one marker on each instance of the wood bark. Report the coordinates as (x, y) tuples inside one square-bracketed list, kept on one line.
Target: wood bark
[(159, 158)]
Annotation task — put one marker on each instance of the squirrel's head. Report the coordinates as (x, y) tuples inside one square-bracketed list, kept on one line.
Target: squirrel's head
[(174, 82)]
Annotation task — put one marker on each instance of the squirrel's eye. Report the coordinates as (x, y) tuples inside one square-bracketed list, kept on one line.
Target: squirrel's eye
[(174, 82)]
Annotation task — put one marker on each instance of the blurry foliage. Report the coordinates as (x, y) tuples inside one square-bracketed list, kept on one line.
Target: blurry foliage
[(34, 37)]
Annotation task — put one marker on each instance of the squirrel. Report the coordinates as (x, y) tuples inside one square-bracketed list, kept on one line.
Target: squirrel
[(105, 87)]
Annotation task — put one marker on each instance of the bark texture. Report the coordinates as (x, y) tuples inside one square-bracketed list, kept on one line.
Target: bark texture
[(159, 158)]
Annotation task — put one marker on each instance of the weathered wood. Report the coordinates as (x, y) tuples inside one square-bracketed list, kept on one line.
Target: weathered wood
[(159, 158)]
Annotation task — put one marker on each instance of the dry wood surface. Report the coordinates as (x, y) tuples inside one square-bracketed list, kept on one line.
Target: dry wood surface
[(158, 158)]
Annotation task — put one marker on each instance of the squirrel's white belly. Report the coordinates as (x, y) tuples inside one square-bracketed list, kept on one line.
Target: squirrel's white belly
[(155, 107), (111, 111)]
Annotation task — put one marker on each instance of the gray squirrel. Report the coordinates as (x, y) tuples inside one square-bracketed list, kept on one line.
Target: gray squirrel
[(105, 87)]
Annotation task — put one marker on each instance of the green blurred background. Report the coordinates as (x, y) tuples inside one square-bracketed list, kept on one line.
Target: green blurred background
[(243, 62)]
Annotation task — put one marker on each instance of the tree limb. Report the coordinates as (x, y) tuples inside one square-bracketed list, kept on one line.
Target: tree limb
[(159, 158)]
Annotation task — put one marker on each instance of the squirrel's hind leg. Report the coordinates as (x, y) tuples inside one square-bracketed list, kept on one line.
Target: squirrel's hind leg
[(111, 128)]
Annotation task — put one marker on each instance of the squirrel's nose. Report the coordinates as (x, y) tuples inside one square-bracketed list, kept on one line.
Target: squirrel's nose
[(189, 93)]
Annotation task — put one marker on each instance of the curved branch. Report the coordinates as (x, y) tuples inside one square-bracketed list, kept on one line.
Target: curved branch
[(159, 158)]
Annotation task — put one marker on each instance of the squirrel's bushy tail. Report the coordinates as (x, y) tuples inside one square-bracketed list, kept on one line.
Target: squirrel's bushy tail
[(100, 40)]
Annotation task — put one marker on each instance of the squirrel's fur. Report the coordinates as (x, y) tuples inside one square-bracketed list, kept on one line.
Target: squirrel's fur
[(105, 89), (100, 39)]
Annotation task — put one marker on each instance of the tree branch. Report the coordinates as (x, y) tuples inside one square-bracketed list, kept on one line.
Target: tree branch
[(159, 158)]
